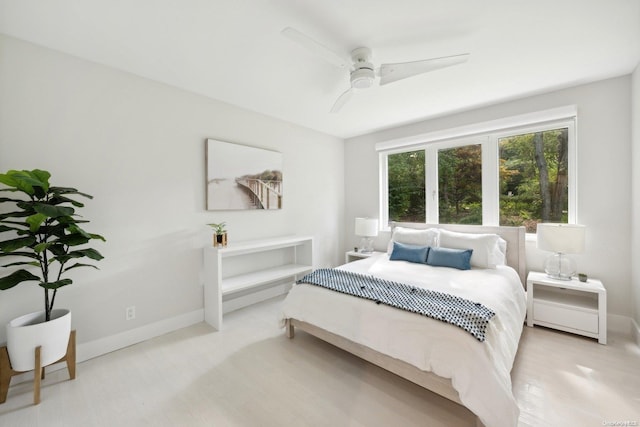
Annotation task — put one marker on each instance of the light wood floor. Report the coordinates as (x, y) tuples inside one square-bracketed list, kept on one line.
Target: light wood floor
[(250, 374)]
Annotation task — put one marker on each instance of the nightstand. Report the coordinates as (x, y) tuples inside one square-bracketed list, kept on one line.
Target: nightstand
[(567, 305), (351, 256)]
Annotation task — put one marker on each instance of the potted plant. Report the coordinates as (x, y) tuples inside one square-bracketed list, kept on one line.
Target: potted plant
[(219, 234), (42, 240)]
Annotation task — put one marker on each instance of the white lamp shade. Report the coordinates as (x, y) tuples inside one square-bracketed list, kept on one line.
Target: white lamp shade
[(562, 238), (366, 227)]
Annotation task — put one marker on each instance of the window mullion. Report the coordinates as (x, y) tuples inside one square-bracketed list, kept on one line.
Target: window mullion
[(490, 181), (383, 165), (573, 174), (431, 184)]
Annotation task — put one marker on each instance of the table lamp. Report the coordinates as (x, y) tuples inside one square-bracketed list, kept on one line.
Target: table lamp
[(367, 228), (562, 239)]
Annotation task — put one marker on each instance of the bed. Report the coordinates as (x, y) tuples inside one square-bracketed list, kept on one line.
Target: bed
[(431, 353)]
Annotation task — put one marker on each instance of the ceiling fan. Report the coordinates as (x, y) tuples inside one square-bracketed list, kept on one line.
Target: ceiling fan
[(362, 72)]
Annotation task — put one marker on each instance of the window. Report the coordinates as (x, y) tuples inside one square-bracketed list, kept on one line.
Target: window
[(520, 176), (406, 186), (460, 185), (534, 178)]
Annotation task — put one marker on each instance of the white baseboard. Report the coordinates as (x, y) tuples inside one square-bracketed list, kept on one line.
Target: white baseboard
[(619, 324), (625, 326), (91, 349), (99, 347), (635, 331)]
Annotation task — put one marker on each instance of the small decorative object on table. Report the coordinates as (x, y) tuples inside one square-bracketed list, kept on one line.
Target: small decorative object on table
[(582, 277), (220, 234)]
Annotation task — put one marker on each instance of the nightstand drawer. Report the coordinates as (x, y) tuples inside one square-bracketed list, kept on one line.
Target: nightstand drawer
[(545, 312)]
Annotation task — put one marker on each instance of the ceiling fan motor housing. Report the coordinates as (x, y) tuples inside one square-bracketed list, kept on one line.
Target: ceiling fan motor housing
[(363, 74)]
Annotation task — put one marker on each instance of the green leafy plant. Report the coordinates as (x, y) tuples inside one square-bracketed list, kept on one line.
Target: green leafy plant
[(42, 226), (218, 228)]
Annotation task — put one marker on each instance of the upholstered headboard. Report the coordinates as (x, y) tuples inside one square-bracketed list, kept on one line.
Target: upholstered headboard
[(514, 236)]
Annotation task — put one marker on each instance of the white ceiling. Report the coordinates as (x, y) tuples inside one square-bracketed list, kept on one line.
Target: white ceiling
[(233, 51)]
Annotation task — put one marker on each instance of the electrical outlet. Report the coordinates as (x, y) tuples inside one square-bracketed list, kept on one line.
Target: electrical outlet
[(131, 312)]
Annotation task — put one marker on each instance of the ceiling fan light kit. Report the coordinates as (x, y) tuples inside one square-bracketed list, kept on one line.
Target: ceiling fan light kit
[(363, 73), (362, 78)]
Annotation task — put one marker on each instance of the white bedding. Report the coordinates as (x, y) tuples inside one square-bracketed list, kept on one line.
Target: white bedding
[(479, 371)]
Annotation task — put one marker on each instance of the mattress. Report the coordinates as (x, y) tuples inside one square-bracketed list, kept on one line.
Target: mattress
[(479, 371)]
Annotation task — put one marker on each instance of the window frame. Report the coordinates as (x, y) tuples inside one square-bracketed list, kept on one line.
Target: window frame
[(487, 136)]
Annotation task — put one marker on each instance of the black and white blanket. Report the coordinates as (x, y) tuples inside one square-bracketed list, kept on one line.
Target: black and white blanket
[(471, 316)]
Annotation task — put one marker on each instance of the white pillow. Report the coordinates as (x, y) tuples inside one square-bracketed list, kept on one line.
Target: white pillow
[(486, 247), (413, 236), (500, 253)]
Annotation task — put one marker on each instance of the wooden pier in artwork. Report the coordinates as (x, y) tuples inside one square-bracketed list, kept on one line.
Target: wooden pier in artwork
[(264, 194)]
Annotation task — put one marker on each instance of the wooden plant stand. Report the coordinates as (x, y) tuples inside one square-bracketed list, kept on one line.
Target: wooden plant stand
[(6, 372)]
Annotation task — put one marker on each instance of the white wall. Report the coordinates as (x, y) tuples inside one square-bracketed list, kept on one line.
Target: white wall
[(635, 212), (604, 175), (138, 147)]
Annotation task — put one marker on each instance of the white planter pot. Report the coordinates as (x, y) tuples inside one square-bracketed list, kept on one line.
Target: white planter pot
[(27, 332)]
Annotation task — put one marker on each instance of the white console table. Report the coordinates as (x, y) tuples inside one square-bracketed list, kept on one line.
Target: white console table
[(244, 273)]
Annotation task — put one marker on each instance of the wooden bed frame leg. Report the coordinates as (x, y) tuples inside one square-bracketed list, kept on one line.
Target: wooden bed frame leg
[(290, 329)]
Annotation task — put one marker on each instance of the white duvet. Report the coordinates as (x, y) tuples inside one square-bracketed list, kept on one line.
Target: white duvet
[(479, 371)]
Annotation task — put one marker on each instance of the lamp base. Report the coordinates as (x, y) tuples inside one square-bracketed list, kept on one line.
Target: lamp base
[(558, 266), (366, 245)]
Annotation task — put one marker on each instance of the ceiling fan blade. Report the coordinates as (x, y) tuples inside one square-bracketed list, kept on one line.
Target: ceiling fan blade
[(390, 73), (342, 99), (315, 47)]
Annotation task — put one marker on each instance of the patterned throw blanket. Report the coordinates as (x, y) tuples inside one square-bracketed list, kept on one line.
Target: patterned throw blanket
[(471, 316)]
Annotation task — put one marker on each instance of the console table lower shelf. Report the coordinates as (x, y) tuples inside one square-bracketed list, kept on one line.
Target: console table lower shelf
[(244, 273)]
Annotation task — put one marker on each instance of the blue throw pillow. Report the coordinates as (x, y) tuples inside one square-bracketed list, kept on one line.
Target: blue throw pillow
[(411, 253), (454, 258)]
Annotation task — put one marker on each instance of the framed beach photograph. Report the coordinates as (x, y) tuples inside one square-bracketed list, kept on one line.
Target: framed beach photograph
[(242, 177)]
